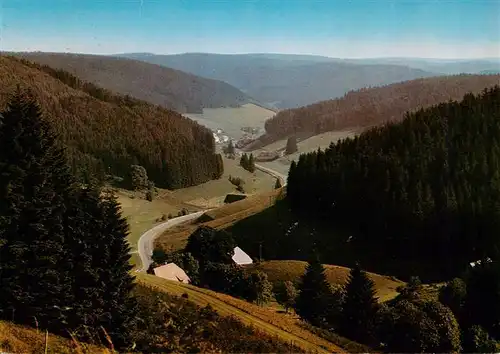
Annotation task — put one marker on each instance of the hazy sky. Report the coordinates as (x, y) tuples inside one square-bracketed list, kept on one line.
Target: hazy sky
[(337, 28)]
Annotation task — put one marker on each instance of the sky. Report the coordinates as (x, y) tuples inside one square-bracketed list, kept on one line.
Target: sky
[(335, 28)]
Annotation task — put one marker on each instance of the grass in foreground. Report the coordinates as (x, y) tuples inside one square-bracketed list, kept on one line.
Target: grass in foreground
[(220, 218), (283, 326), (293, 270), (20, 339)]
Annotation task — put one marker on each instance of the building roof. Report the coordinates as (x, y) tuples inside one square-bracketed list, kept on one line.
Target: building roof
[(240, 257), (172, 271)]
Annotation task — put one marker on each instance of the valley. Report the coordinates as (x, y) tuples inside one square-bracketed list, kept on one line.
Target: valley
[(254, 203)]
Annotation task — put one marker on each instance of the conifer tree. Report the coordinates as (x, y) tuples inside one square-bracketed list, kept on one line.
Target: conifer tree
[(34, 180), (115, 275), (244, 161), (315, 293), (360, 306), (251, 164), (277, 185), (291, 145)]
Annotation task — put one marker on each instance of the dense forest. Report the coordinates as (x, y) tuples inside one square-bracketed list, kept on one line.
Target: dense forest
[(372, 106), (169, 88), (105, 133), (424, 191)]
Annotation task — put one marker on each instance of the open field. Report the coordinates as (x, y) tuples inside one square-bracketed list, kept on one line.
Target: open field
[(293, 270), (285, 326), (231, 120), (212, 193), (220, 218), (322, 141), (20, 339)]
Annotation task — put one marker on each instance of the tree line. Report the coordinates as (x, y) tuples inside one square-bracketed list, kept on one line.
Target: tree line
[(422, 191), (369, 107), (106, 133), (463, 317)]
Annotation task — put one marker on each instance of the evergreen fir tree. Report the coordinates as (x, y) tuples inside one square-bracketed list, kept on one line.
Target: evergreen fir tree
[(277, 185), (360, 307), (291, 145), (34, 181), (315, 293), (251, 164), (244, 161), (119, 318)]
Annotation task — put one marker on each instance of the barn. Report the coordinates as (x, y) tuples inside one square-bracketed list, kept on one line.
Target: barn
[(172, 271), (240, 257)]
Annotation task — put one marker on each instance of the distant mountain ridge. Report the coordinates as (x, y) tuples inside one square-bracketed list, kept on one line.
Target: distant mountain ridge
[(170, 88), (282, 80)]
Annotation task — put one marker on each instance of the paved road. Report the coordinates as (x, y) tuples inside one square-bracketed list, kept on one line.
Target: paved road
[(145, 244), (273, 173)]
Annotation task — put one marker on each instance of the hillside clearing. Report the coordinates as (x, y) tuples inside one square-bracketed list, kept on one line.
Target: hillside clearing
[(312, 143), (212, 193), (220, 218), (293, 270), (284, 326)]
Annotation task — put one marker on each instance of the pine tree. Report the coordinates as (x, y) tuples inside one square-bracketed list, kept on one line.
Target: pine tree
[(34, 181), (291, 145), (251, 164), (314, 294), (360, 306), (115, 274), (277, 185), (244, 161)]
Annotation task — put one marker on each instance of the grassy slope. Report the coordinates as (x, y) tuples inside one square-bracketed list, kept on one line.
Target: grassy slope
[(156, 84), (212, 193), (19, 339), (312, 143), (222, 217), (293, 270), (284, 326)]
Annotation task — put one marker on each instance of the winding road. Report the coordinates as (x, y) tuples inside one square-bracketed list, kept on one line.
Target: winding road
[(145, 244), (146, 241)]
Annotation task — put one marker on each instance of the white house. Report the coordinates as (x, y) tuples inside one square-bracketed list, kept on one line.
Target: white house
[(172, 271), (240, 257)]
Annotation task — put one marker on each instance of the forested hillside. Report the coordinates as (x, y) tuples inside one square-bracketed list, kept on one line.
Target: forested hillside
[(173, 89), (424, 191), (372, 106), (106, 133)]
